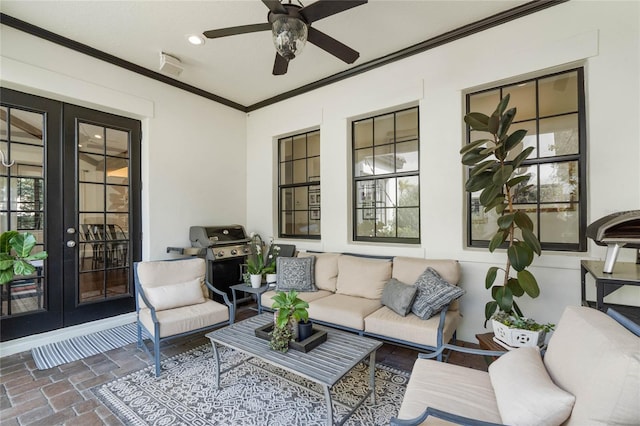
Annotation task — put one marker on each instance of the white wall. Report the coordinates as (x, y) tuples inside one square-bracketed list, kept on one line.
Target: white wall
[(189, 142), (601, 36)]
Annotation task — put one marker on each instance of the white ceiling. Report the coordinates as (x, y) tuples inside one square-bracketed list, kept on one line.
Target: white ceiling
[(239, 67)]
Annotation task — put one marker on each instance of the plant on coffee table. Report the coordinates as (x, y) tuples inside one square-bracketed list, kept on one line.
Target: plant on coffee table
[(289, 310)]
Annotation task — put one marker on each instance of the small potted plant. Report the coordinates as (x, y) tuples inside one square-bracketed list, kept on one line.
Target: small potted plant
[(289, 311), (15, 255), (257, 264), (494, 165)]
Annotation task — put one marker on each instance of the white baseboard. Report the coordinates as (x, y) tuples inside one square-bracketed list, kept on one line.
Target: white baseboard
[(29, 342)]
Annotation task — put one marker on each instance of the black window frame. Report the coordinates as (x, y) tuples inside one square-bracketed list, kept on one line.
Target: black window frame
[(308, 184), (580, 158), (356, 179)]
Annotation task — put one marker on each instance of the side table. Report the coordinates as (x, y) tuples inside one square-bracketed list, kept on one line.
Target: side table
[(248, 289), (486, 342)]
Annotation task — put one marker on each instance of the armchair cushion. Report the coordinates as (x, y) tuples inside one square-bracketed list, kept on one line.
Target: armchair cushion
[(175, 295), (434, 293), (524, 391)]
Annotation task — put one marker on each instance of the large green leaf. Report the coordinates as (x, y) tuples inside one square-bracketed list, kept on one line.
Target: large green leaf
[(37, 256), (520, 256), (502, 105), (481, 181), (497, 240), (531, 240), (474, 144), (494, 122), (514, 139), (6, 264), (497, 202), (488, 150), (489, 193), (528, 283), (502, 175), (521, 157), (20, 267), (505, 221), (515, 287), (505, 123), (23, 244), (504, 298), (5, 246), (473, 156), (481, 167), (523, 220), (492, 273), (517, 180), (477, 121), (489, 309), (6, 276)]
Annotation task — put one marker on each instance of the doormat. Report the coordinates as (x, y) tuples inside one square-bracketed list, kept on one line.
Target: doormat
[(253, 393), (80, 347)]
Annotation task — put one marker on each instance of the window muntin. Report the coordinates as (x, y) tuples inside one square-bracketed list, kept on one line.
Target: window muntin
[(551, 109), (386, 171), (299, 185)]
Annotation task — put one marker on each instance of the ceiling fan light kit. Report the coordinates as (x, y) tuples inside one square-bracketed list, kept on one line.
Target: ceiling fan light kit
[(290, 27)]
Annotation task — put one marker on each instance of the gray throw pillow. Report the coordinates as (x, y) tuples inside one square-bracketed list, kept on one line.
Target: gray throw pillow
[(295, 273), (398, 296), (434, 293)]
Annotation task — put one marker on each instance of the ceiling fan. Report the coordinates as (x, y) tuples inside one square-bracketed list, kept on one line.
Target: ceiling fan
[(290, 26)]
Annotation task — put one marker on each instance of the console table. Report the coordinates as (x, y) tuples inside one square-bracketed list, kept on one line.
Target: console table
[(624, 273)]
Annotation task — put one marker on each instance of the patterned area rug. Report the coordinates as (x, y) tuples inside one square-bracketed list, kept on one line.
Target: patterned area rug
[(253, 393), (80, 347)]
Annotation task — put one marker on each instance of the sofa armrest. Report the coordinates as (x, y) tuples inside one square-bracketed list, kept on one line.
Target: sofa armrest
[(453, 418)]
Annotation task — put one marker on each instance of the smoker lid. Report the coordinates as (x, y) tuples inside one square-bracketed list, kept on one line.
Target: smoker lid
[(207, 236), (620, 227)]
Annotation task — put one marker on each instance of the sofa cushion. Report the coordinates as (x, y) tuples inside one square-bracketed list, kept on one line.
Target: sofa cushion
[(175, 295), (434, 293), (385, 322), (307, 296), (462, 391), (398, 296), (163, 272), (524, 391), (295, 273), (343, 310), (363, 277), (326, 269), (594, 358)]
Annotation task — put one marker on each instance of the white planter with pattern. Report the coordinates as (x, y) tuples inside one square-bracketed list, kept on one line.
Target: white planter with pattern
[(516, 337)]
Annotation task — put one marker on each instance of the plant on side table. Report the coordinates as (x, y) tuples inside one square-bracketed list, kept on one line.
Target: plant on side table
[(289, 310), (257, 264), (15, 255), (494, 172)]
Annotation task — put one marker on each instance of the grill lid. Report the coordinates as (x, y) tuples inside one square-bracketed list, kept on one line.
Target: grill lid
[(211, 236)]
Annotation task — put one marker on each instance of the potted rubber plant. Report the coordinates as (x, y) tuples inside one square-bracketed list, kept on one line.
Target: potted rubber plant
[(494, 166), (15, 255), (289, 311)]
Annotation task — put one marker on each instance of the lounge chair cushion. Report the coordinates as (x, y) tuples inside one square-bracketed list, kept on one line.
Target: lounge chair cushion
[(175, 295)]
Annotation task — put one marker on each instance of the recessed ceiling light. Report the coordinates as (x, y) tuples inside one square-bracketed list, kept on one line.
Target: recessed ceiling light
[(195, 39), (97, 136)]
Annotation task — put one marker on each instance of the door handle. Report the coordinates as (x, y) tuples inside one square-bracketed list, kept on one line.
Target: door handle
[(71, 243)]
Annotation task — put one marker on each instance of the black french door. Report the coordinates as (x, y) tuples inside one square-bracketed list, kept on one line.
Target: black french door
[(71, 177)]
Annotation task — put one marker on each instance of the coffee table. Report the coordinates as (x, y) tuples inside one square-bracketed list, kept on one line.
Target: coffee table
[(324, 365)]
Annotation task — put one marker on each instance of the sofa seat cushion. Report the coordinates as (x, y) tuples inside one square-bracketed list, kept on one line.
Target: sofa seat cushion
[(307, 296), (326, 269), (343, 310), (186, 318), (385, 322), (362, 277), (524, 391), (595, 359), (462, 391)]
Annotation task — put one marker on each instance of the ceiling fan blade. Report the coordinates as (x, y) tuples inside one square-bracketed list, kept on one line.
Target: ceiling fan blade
[(275, 6), (331, 45), (280, 65), (242, 29), (323, 8)]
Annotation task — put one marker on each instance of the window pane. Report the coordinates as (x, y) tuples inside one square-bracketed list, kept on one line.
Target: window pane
[(384, 160), (301, 223), (286, 173), (525, 195), (28, 159), (559, 223), (91, 167), (383, 130), (363, 134), (407, 125), (408, 222), (313, 169), (299, 171), (366, 223), (117, 143), (286, 151), (26, 126), (287, 223), (3, 123), (366, 193), (559, 135), (559, 182), (364, 162), (300, 198), (117, 170), (91, 138), (313, 144), (299, 147), (407, 156), (117, 198), (286, 199), (91, 197), (408, 191), (386, 192), (523, 98), (530, 140), (558, 94), (484, 102), (385, 223)]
